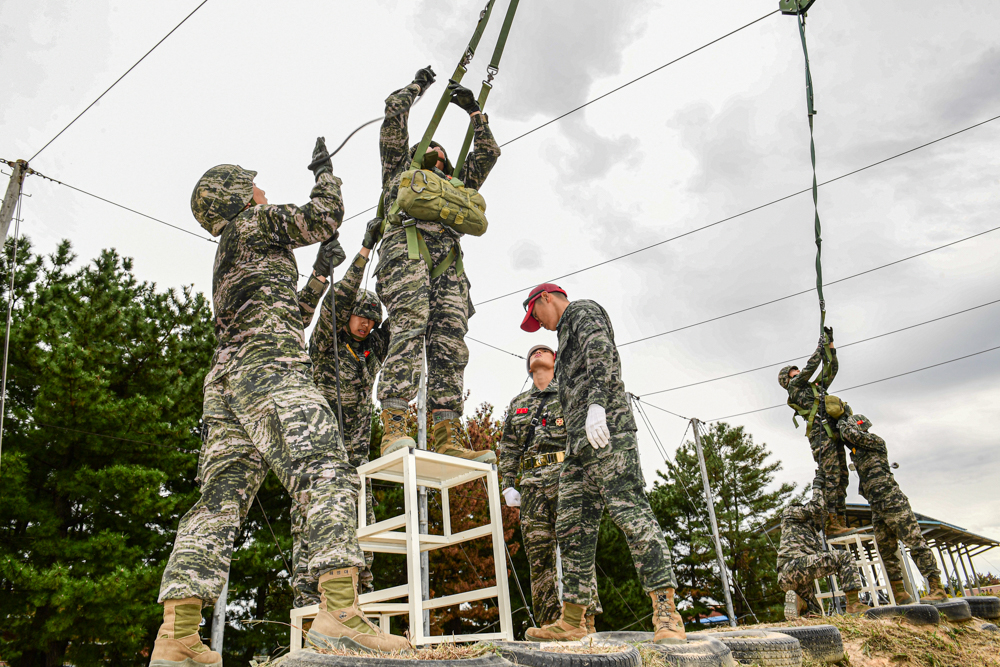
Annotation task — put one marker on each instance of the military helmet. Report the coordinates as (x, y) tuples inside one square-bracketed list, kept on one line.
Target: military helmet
[(784, 377), (368, 306), (862, 422), (220, 195)]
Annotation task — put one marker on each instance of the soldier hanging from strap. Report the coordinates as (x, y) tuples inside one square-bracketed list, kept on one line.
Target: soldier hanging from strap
[(534, 444), (426, 294), (362, 338), (262, 412), (892, 517), (808, 399), (601, 469)]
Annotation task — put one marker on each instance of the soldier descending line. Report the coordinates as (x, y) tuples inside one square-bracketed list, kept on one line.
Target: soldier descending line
[(802, 560), (262, 412), (605, 474), (806, 397), (363, 341), (420, 304), (534, 443), (892, 517)]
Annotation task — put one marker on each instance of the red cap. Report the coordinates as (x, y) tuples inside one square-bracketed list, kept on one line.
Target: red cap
[(529, 323)]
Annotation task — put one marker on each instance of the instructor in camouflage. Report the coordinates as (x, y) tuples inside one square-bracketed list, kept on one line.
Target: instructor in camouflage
[(362, 340), (892, 518), (262, 412), (805, 396), (802, 560), (420, 305), (534, 444), (601, 469)]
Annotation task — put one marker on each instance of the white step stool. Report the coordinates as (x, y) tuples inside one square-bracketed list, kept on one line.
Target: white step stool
[(869, 563), (401, 535)]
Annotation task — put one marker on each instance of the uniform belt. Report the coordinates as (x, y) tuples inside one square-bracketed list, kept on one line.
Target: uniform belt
[(541, 460)]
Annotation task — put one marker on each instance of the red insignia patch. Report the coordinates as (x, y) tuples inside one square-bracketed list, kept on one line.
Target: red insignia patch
[(559, 421), (367, 352), (522, 411)]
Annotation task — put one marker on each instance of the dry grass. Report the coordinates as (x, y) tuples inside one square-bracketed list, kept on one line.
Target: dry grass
[(591, 649)]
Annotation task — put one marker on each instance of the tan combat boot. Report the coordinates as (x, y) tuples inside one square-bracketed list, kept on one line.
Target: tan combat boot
[(177, 641), (591, 623), (937, 592), (836, 526), (394, 431), (446, 442), (795, 607), (340, 623), (854, 606), (667, 623), (899, 592), (571, 625)]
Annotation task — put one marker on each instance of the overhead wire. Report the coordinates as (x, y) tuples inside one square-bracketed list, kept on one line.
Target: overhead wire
[(37, 153)]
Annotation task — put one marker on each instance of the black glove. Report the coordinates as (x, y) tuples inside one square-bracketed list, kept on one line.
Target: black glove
[(463, 97), (829, 334), (330, 254), (424, 78), (373, 232), (325, 166)]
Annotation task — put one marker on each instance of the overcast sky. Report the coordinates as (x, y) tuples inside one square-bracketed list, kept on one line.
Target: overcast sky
[(716, 134)]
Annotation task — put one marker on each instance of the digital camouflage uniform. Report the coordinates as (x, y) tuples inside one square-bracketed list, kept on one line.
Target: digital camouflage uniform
[(588, 371), (360, 362), (440, 307), (801, 557), (262, 411), (892, 518), (539, 489), (832, 473)]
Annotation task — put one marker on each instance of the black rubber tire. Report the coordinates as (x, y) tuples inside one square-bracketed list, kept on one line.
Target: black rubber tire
[(984, 606), (954, 610), (821, 643), (701, 650), (530, 654), (764, 649), (917, 614), (308, 658)]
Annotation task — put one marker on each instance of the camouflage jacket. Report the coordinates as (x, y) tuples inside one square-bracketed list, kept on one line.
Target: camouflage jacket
[(589, 369), (550, 435), (871, 459), (799, 387), (257, 317), (800, 526), (396, 154), (360, 361)]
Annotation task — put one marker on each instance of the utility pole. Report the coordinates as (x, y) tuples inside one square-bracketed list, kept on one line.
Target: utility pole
[(723, 573), (219, 617), (425, 580), (18, 170)]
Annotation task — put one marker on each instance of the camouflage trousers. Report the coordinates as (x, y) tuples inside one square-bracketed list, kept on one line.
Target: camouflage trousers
[(892, 518), (539, 498), (799, 574), (256, 419), (592, 480), (357, 427), (832, 473), (418, 305)]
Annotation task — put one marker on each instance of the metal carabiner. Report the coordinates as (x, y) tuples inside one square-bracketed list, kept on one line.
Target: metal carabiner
[(414, 178)]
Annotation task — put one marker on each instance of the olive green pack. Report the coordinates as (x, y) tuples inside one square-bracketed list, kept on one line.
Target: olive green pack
[(425, 195), (834, 406)]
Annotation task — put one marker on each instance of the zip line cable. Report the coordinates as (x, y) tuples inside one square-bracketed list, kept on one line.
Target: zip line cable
[(200, 5), (281, 552), (639, 78), (737, 215), (839, 347)]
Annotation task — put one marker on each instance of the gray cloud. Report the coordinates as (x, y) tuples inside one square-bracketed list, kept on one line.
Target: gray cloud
[(526, 255)]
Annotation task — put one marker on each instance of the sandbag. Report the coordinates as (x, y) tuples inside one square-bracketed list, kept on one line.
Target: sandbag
[(425, 195)]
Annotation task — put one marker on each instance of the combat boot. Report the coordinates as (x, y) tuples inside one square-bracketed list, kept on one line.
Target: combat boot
[(394, 431), (667, 623), (570, 626), (937, 592), (795, 607), (591, 623), (340, 623), (836, 526), (446, 442), (854, 606), (177, 641), (899, 592)]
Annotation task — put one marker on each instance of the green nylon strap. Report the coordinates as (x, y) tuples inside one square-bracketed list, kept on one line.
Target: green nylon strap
[(484, 92), (810, 109), (484, 17)]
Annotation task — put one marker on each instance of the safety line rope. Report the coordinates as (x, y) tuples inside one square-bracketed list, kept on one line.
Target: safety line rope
[(281, 551), (200, 5)]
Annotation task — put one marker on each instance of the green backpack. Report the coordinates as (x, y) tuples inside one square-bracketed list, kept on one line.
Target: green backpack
[(425, 195)]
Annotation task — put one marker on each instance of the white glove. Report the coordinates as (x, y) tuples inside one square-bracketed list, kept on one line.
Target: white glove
[(511, 497), (597, 427)]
